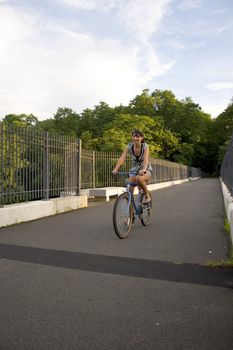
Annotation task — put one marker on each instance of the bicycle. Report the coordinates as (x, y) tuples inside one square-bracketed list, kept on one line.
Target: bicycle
[(126, 209)]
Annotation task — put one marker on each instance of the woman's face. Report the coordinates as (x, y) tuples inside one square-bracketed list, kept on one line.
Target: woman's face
[(137, 139)]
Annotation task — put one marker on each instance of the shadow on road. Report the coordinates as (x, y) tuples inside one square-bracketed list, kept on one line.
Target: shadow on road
[(142, 268)]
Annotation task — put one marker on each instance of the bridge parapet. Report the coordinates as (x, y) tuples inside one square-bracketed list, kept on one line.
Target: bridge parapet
[(226, 176)]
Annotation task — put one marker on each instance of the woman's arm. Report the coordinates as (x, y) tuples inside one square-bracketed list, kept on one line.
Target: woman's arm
[(121, 160)]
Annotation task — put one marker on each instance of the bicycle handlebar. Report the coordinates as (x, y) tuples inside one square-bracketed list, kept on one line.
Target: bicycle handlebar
[(126, 173)]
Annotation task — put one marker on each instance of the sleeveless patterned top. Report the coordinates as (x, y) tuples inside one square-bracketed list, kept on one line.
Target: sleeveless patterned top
[(137, 161)]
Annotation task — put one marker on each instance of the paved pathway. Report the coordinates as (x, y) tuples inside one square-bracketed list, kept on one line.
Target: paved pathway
[(67, 282)]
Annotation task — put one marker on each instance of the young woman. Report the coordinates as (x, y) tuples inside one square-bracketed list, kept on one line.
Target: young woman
[(139, 153)]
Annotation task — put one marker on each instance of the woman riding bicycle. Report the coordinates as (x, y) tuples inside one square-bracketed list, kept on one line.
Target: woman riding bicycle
[(139, 152)]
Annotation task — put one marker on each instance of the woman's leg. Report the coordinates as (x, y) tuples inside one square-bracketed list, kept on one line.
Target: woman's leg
[(133, 183), (142, 182)]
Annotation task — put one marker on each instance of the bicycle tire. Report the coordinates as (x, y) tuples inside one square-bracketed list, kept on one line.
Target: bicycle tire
[(146, 211), (122, 218)]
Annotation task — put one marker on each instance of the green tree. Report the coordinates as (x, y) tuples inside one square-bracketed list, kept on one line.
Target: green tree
[(96, 120), (222, 133), (176, 130), (66, 122), (184, 119), (143, 104), (167, 107), (47, 125), (20, 119), (162, 142), (185, 154), (223, 124)]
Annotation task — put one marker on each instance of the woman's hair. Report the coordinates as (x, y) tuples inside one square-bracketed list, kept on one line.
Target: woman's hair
[(139, 133)]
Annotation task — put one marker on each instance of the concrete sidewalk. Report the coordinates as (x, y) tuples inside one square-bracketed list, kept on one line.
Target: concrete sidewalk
[(67, 281)]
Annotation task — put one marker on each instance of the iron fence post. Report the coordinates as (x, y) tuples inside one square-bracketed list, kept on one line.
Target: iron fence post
[(79, 170), (46, 167), (93, 169)]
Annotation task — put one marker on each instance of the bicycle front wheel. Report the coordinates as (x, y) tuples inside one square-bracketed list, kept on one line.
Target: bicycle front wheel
[(146, 212), (122, 216)]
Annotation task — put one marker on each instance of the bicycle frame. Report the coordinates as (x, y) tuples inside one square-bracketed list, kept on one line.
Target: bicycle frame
[(137, 209)]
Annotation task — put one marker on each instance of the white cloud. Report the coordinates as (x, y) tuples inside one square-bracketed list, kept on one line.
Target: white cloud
[(190, 4), (44, 64), (220, 11), (202, 28), (219, 86), (89, 5), (222, 29), (82, 4), (142, 18), (153, 65), (198, 45), (176, 44)]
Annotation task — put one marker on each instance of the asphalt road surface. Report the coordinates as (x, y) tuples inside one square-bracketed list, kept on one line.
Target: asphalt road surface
[(68, 282)]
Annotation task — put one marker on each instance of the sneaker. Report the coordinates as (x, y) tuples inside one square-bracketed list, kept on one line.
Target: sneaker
[(146, 200)]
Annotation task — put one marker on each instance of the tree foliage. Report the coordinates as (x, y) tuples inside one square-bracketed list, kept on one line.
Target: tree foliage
[(222, 132), (20, 119), (177, 130)]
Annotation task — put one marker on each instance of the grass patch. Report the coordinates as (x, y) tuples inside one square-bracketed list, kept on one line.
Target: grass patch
[(227, 263), (227, 227)]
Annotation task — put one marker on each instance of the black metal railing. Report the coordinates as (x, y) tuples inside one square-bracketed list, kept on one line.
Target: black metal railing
[(37, 165), (226, 171), (97, 170)]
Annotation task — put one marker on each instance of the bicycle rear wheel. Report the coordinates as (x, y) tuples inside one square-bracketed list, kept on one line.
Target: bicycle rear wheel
[(122, 216), (146, 212)]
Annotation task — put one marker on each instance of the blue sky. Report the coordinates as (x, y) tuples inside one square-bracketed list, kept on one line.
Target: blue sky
[(76, 53)]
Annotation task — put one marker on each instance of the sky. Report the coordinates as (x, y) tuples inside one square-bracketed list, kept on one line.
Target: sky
[(76, 53)]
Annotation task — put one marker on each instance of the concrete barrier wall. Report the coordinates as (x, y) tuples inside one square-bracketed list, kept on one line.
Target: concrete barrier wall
[(228, 202), (107, 192), (16, 213)]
